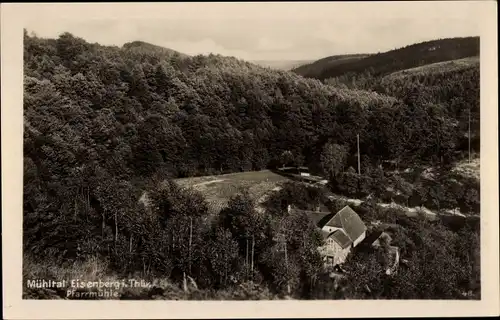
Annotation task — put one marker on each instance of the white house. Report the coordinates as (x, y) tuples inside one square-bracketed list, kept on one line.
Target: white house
[(341, 232), (349, 223)]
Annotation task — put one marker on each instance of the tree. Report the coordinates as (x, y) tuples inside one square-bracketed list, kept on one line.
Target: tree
[(333, 158), (282, 275), (286, 157), (436, 194), (223, 256), (472, 200)]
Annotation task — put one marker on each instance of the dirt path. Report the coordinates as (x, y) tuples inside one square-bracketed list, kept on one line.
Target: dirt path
[(208, 182), (410, 212)]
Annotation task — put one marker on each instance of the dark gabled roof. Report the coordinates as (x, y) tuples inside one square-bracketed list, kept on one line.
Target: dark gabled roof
[(341, 238), (338, 236), (318, 217), (349, 221), (324, 234), (372, 237)]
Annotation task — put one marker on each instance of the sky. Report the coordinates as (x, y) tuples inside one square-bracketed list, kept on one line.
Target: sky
[(260, 31)]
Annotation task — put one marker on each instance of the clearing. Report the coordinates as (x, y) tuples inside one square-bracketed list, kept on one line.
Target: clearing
[(220, 188), (444, 66)]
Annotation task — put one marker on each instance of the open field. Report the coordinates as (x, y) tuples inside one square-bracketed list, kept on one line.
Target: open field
[(444, 66), (254, 176), (219, 189)]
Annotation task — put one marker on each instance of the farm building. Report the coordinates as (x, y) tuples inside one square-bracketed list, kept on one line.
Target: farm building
[(349, 225), (336, 247), (341, 231), (302, 171)]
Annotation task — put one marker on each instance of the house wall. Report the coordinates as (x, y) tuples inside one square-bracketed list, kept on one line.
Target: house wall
[(358, 240), (332, 249)]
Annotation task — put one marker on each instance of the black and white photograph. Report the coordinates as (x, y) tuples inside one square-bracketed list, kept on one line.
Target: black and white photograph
[(253, 151)]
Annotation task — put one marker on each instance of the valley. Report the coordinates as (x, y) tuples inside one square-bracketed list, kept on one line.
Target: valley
[(145, 161)]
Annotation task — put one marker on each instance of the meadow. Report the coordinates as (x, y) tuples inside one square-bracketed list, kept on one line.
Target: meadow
[(218, 189)]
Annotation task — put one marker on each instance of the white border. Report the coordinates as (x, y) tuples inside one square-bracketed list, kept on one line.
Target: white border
[(12, 17)]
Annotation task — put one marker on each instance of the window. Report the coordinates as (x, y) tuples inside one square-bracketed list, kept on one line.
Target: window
[(329, 260)]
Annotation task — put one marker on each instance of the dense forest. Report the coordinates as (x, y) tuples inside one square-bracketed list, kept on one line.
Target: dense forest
[(102, 124), (451, 88)]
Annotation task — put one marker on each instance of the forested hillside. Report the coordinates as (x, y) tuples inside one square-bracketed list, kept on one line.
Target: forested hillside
[(314, 69), (141, 46), (452, 86), (399, 59), (212, 113), (102, 124)]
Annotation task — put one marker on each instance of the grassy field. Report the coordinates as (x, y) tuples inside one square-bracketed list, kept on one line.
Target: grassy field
[(219, 189), (444, 66)]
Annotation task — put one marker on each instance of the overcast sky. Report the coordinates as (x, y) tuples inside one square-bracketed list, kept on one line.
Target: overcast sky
[(260, 31)]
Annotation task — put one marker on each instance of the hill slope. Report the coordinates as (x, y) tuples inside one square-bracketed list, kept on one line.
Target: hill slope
[(404, 58), (438, 67), (141, 46), (103, 125), (280, 64), (314, 69)]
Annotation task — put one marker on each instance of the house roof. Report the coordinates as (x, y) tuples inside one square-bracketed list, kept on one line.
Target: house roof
[(338, 236), (318, 217), (349, 221), (341, 238), (325, 234), (372, 237)]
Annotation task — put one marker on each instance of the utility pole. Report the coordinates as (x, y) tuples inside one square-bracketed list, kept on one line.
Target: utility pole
[(284, 245), (469, 137), (253, 244), (190, 240), (359, 157), (246, 262)]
